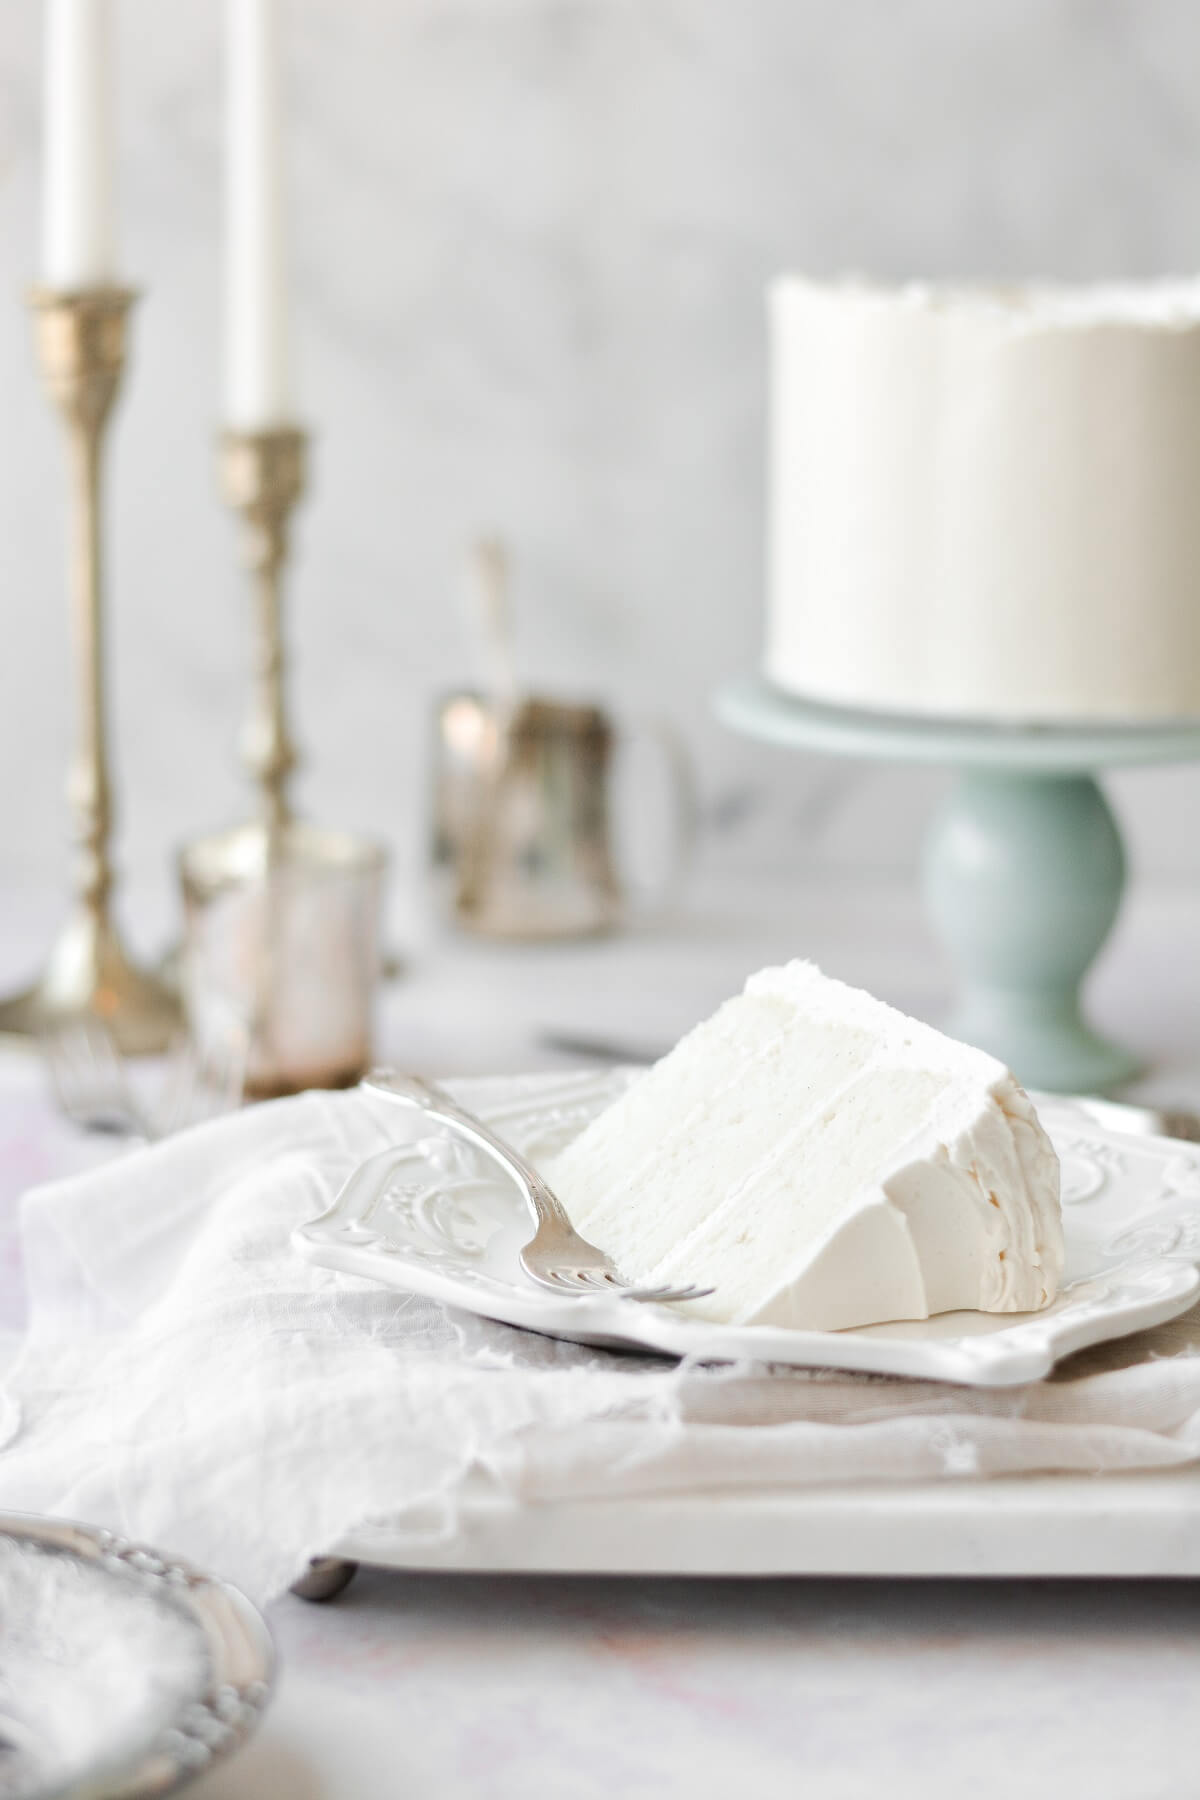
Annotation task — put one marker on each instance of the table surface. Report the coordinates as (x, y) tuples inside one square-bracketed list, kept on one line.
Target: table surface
[(469, 1685)]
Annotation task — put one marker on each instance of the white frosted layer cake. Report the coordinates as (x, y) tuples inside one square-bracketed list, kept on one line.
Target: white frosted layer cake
[(822, 1161), (983, 502)]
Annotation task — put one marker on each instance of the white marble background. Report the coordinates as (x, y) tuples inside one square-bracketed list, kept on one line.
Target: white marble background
[(530, 243)]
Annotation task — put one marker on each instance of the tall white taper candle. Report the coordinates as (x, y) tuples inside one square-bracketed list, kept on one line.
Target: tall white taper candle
[(257, 392), (78, 224)]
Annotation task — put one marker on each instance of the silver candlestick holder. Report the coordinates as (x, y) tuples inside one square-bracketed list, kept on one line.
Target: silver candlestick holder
[(81, 345), (263, 477), (281, 918)]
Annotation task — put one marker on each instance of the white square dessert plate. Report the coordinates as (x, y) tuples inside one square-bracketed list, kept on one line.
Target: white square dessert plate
[(434, 1216)]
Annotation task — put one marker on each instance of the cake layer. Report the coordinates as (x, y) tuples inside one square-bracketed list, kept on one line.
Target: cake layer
[(751, 1071), (982, 502), (822, 1161)]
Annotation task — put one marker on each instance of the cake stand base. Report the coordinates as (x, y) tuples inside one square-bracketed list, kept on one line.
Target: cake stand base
[(1023, 868)]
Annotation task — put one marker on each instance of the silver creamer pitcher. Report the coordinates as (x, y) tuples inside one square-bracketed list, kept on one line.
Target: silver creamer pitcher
[(524, 832)]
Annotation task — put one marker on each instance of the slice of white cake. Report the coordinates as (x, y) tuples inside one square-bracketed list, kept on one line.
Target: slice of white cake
[(822, 1161)]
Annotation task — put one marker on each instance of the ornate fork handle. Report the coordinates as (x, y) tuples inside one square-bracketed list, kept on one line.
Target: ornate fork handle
[(556, 1257), (414, 1090)]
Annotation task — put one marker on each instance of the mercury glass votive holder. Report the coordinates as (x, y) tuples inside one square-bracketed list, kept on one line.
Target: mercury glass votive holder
[(281, 944)]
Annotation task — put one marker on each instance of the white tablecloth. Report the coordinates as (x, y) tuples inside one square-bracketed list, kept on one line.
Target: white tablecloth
[(471, 1686)]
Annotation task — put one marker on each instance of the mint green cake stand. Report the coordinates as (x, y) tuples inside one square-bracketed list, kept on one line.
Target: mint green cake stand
[(1023, 866)]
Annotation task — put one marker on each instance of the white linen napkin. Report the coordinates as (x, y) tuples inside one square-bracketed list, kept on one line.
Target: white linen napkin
[(188, 1380)]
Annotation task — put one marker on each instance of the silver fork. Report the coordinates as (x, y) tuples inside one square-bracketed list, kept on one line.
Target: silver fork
[(94, 1090), (556, 1256), (89, 1078), (206, 1079)]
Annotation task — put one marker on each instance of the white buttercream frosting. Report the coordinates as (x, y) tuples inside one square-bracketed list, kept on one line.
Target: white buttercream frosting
[(822, 1161), (982, 500)]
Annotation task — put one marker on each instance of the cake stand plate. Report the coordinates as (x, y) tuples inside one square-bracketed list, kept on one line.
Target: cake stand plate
[(1023, 867)]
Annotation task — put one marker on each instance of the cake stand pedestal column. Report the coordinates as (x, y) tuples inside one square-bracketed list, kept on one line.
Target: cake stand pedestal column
[(1023, 877), (1023, 867)]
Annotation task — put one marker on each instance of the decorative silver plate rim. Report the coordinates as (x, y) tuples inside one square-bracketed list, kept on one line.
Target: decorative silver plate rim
[(432, 1217), (210, 1723)]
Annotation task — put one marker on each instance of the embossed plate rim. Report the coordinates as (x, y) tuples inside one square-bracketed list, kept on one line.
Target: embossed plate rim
[(981, 1350)]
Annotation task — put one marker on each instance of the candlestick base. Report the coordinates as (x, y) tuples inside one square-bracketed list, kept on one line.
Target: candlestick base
[(89, 973)]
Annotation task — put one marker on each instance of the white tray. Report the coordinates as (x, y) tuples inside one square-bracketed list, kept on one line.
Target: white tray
[(1031, 1525), (1128, 1202), (434, 1216)]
